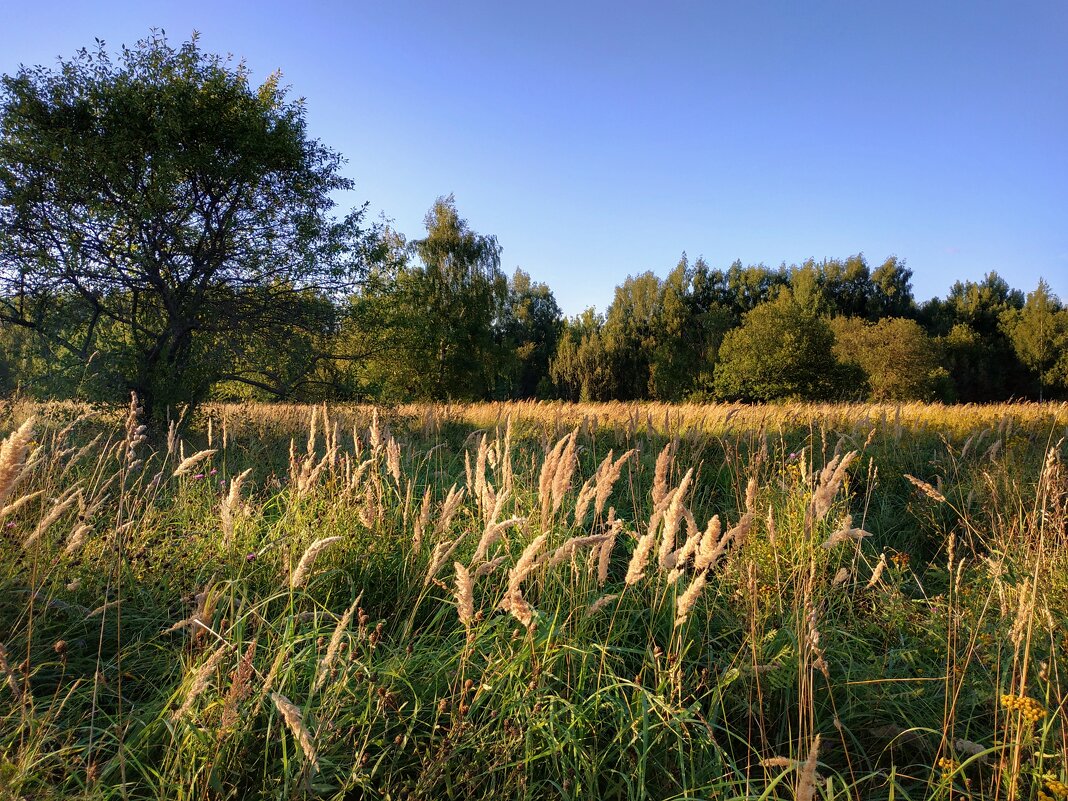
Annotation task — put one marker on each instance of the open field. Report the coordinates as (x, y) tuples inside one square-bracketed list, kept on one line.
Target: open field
[(535, 601)]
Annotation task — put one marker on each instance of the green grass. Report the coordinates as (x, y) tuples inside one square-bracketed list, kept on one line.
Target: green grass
[(901, 677)]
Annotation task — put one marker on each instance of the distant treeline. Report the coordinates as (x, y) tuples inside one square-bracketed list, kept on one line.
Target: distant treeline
[(168, 229), (437, 319)]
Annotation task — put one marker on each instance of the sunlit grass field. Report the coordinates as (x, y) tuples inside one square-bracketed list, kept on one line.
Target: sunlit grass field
[(534, 601)]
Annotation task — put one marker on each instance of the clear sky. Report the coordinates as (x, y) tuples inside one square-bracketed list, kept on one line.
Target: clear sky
[(601, 139)]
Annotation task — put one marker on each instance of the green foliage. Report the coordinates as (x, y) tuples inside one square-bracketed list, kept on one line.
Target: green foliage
[(580, 369), (782, 350), (528, 333), (165, 220), (896, 359), (1039, 335)]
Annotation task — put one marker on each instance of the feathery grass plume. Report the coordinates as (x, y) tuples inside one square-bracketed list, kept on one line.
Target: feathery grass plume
[(600, 604), (323, 670), (62, 504), (91, 445), (841, 577), (374, 433), (751, 494), (819, 662), (689, 546), (845, 534), (492, 534), (190, 462), (806, 782), (639, 559), (513, 600), (104, 607), (295, 721), (568, 548), (136, 433), (545, 477), (448, 509), (607, 480), (604, 553), (440, 555), (465, 598), (664, 463), (272, 673), (393, 453), (77, 538), (231, 505), (877, 573), (926, 488), (9, 676), (584, 499), (707, 550), (486, 568), (201, 679), (495, 504), (565, 471), (15, 505), (240, 687), (172, 437), (672, 516), (688, 598), (830, 480), (421, 522), (713, 547), (300, 575), (13, 453)]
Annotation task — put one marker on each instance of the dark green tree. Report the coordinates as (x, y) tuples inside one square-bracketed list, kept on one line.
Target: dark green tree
[(1039, 334), (580, 369), (159, 213), (529, 332), (451, 302), (783, 350)]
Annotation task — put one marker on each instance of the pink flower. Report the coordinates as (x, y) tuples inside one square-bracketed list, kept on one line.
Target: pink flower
[(198, 475)]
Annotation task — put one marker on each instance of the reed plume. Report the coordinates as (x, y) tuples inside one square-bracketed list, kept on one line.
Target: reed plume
[(323, 671), (600, 604), (231, 506), (465, 598), (188, 463), (513, 600), (61, 505), (300, 574), (15, 505), (806, 783), (13, 453), (689, 598), (201, 679), (639, 559), (295, 721)]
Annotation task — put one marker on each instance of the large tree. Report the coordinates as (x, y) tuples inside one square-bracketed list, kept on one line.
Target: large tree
[(783, 350), (167, 220), (1039, 334)]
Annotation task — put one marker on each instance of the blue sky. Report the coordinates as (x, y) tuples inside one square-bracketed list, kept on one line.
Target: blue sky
[(602, 139)]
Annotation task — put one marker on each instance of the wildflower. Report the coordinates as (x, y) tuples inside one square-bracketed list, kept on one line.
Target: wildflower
[(947, 765), (1030, 710), (250, 556), (198, 476)]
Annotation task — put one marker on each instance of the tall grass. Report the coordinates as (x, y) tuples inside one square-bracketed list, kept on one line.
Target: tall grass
[(535, 601)]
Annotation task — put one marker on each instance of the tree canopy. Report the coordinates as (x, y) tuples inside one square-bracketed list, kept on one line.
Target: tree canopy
[(163, 216), (168, 226)]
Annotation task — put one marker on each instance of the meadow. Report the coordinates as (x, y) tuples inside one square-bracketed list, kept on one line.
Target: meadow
[(534, 601)]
